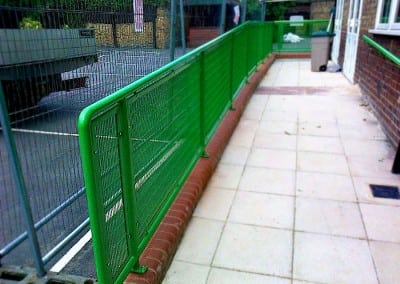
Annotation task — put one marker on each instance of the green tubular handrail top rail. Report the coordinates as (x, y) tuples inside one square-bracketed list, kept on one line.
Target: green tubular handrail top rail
[(386, 53), (318, 21)]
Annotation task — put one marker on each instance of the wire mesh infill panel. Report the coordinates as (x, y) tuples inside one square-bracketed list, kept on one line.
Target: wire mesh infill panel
[(108, 176)]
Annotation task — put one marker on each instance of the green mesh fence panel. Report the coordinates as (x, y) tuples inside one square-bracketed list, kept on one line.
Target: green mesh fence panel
[(239, 58), (164, 116), (216, 84), (303, 30), (139, 144), (109, 200), (267, 40), (252, 47)]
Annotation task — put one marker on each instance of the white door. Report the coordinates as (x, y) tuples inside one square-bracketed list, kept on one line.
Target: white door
[(353, 28), (337, 30)]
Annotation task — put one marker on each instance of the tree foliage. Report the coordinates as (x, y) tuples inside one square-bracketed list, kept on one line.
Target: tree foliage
[(109, 5), (276, 10)]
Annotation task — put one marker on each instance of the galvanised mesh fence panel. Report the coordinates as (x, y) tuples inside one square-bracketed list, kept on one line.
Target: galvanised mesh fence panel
[(57, 57), (157, 127), (295, 36)]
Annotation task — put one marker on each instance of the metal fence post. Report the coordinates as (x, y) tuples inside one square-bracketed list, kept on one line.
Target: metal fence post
[(280, 36), (128, 185), (231, 60), (20, 184), (223, 17), (244, 11), (263, 9), (172, 30), (247, 53)]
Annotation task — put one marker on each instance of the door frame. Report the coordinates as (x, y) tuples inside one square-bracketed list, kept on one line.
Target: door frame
[(337, 29), (352, 39)]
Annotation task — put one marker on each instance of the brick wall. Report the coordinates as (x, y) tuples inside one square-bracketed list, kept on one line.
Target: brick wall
[(379, 81), (320, 9), (126, 36), (379, 78)]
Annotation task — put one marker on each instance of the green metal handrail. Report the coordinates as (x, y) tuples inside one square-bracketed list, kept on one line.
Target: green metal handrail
[(139, 144), (386, 53)]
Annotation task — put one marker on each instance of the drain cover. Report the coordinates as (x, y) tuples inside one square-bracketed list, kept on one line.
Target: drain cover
[(385, 191)]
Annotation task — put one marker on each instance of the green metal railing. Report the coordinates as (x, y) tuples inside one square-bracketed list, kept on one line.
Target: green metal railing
[(139, 144), (386, 53), (302, 29)]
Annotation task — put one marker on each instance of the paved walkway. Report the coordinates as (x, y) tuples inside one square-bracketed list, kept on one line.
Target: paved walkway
[(290, 200)]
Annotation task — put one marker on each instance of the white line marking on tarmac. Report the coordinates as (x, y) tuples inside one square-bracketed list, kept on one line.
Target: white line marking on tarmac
[(71, 253), (44, 132), (114, 210)]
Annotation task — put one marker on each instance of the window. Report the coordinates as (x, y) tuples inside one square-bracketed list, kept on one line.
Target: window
[(388, 17)]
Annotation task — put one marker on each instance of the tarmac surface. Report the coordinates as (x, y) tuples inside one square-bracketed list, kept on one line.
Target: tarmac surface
[(48, 148)]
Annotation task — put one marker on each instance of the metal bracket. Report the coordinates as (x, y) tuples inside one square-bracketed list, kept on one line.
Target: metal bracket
[(205, 155), (139, 269)]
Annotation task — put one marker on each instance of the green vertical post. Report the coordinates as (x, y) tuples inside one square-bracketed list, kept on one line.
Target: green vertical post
[(247, 52), (202, 110), (20, 184), (280, 36), (95, 207), (231, 58), (128, 185)]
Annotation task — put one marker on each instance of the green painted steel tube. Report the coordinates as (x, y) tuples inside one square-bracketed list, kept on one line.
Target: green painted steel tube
[(386, 53), (201, 104), (231, 92), (86, 148), (318, 21), (128, 188)]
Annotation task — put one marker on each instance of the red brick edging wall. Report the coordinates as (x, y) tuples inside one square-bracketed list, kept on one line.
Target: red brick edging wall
[(161, 249)]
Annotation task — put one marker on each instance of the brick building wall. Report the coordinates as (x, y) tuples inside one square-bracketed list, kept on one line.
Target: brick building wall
[(378, 77), (320, 9)]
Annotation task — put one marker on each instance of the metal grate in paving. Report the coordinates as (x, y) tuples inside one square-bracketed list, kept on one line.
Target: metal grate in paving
[(385, 191)]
